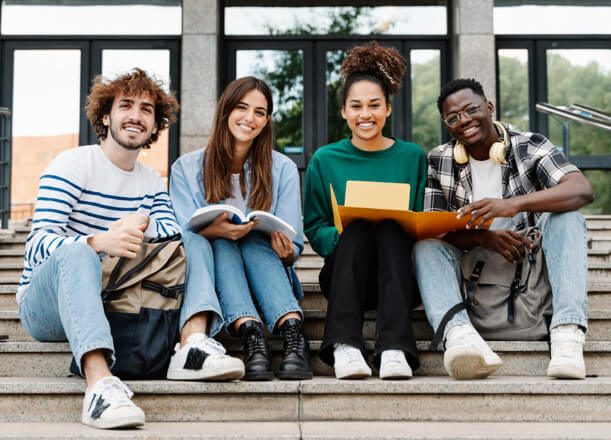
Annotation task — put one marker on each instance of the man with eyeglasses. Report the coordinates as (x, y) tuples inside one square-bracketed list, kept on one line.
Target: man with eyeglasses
[(491, 170)]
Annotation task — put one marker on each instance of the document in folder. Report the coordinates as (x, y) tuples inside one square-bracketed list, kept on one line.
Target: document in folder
[(377, 201)]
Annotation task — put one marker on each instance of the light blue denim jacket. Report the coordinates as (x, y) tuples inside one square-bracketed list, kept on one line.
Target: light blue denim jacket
[(188, 194)]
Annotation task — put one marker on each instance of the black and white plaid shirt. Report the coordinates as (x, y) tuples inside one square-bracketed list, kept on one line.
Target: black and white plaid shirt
[(532, 163)]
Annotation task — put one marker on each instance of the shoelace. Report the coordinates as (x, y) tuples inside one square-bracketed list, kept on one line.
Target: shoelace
[(393, 356), (294, 341), (467, 336), (569, 344), (353, 355), (255, 343), (211, 345), (116, 392)]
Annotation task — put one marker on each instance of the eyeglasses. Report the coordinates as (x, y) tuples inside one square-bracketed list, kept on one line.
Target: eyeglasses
[(453, 119)]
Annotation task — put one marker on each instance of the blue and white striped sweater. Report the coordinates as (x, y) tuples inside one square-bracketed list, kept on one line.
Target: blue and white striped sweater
[(81, 193)]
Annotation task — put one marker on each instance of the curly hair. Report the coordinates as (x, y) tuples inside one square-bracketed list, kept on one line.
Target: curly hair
[(458, 84), (134, 83), (371, 62)]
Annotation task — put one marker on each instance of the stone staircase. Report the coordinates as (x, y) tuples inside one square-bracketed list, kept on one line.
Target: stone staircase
[(517, 402)]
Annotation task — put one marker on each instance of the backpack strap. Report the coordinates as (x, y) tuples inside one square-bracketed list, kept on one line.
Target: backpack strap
[(468, 303), (513, 292), (113, 284)]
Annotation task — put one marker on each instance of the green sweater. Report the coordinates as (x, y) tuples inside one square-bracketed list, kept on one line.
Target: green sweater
[(403, 162)]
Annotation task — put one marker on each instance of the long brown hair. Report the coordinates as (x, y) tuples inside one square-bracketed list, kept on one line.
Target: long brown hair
[(218, 155)]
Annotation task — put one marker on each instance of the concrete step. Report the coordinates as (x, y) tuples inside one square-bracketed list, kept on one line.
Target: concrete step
[(316, 430), (427, 399), (520, 358), (599, 325)]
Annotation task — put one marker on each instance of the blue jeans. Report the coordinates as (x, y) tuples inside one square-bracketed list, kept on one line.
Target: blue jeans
[(63, 301), (437, 266), (251, 263)]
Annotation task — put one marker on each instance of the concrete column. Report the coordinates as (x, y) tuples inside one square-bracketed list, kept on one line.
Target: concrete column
[(199, 71), (473, 43)]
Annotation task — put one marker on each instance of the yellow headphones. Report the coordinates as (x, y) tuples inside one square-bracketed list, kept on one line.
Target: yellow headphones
[(497, 150)]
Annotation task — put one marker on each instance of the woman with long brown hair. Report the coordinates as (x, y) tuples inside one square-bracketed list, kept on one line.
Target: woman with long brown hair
[(239, 167)]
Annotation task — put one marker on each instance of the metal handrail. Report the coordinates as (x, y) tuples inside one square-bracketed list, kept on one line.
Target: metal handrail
[(4, 111), (592, 111), (574, 113)]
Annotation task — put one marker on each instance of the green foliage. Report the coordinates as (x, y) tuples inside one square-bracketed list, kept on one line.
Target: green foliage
[(426, 121), (567, 84)]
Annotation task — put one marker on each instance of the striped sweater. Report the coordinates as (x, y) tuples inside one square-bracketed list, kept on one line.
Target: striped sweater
[(81, 193)]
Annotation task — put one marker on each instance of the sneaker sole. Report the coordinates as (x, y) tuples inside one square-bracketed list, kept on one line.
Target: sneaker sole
[(396, 375), (216, 374), (125, 422), (564, 372), (463, 363)]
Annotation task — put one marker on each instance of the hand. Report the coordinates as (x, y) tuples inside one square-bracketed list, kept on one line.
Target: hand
[(283, 247), (121, 240), (134, 219), (508, 244), (223, 228), (487, 209)]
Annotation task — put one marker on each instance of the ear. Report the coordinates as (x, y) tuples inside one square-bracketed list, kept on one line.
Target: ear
[(106, 120), (491, 108), (155, 128), (388, 110), (343, 112)]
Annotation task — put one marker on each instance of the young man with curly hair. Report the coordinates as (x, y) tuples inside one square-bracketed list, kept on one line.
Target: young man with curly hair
[(97, 200), (491, 170)]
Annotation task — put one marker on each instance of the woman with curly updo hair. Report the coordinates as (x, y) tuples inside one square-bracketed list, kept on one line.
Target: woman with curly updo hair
[(368, 266)]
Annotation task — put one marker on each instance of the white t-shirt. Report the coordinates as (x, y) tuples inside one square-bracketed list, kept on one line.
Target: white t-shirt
[(487, 180), (236, 198)]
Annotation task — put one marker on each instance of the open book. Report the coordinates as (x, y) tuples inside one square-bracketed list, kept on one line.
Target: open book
[(267, 222), (377, 201)]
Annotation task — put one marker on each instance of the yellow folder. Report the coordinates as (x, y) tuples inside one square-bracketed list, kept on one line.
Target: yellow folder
[(377, 201)]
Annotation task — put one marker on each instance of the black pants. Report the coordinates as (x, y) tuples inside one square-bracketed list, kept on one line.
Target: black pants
[(370, 268)]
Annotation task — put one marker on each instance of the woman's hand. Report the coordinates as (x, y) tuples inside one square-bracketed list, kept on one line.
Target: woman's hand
[(283, 247), (223, 228)]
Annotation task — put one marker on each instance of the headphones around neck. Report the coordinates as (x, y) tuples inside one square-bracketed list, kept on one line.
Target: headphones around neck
[(497, 149)]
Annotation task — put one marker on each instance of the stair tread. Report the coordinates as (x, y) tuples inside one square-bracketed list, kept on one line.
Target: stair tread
[(326, 385), (276, 345)]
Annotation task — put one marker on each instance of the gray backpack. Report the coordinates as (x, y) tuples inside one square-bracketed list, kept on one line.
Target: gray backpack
[(505, 301)]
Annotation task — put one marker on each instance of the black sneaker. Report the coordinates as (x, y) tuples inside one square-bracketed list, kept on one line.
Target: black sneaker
[(257, 355), (295, 354)]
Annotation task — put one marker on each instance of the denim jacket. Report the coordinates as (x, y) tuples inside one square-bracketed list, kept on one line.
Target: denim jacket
[(188, 194)]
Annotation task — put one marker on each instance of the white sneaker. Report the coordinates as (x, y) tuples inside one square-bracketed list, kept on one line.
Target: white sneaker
[(349, 363), (467, 356), (108, 404), (393, 365), (203, 358), (567, 352)]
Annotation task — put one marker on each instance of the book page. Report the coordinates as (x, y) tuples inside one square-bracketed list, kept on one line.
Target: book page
[(206, 215), (269, 223)]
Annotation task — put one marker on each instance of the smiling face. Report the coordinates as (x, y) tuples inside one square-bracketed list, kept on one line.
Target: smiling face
[(365, 111), (248, 118), (477, 134), (131, 121)]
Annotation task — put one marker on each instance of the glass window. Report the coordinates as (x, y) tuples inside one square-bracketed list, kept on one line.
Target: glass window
[(282, 70), (45, 119), (156, 62), (580, 76), (409, 20), (160, 17), (513, 18), (426, 83), (513, 87)]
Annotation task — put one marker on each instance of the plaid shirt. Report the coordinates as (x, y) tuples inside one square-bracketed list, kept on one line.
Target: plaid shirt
[(532, 164)]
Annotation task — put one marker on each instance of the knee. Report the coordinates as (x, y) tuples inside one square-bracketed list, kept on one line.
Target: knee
[(428, 250), (565, 221), (358, 228), (78, 252), (195, 243)]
